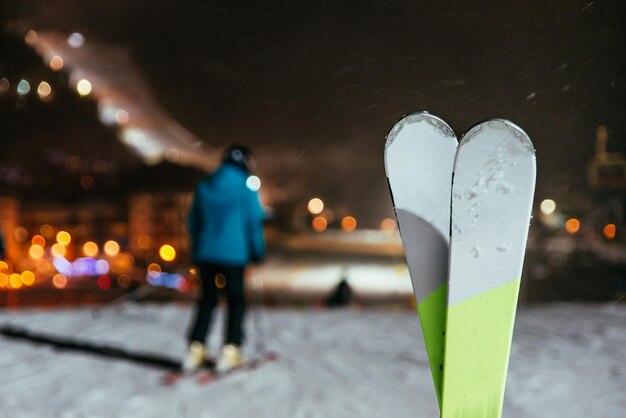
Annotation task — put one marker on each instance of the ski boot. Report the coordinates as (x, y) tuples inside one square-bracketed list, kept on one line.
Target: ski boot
[(195, 357), (231, 358)]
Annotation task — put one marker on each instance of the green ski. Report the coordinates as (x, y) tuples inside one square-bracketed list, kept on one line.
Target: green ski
[(492, 194)]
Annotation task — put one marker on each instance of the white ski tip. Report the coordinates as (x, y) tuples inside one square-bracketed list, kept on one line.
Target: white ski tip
[(503, 124), (415, 117)]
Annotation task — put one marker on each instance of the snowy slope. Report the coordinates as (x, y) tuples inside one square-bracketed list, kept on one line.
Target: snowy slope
[(568, 360)]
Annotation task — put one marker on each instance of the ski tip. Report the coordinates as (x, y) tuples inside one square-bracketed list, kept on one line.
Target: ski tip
[(497, 123), (416, 117)]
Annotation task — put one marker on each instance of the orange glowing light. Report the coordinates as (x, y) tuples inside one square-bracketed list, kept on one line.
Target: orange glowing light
[(38, 240), (31, 37), (388, 225), (56, 63), (36, 252), (4, 280), (220, 281), (319, 224), (57, 250), (348, 223), (15, 281), (47, 231), (3, 266), (64, 238), (167, 253), (572, 225), (90, 249), (153, 269), (111, 248), (59, 281), (28, 278), (315, 206), (144, 242), (609, 231), (21, 234)]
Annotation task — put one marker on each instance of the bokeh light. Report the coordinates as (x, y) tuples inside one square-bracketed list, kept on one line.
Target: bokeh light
[(253, 183), (47, 231), (4, 280), (172, 155), (58, 250), (121, 117), (56, 63), (123, 263), (319, 224), (572, 225), (83, 87), (4, 266), (87, 182), (15, 281), (388, 225), (111, 248), (28, 277), (348, 223), (90, 249), (102, 267), (31, 37), (610, 231), (144, 242), (43, 90), (124, 281), (4, 85), (36, 252), (153, 270), (38, 240), (20, 234), (76, 40), (59, 281), (23, 88), (547, 206), (220, 281), (315, 206), (167, 253), (64, 238), (104, 282)]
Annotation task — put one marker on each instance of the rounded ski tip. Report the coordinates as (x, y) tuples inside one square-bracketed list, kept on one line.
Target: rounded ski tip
[(518, 133), (417, 117), (500, 124)]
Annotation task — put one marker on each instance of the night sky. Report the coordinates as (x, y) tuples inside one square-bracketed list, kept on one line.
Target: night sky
[(314, 87)]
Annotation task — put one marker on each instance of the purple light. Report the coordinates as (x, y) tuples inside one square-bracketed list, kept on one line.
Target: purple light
[(63, 266), (172, 281), (102, 267)]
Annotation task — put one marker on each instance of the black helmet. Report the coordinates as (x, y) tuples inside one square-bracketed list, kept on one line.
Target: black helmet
[(241, 156)]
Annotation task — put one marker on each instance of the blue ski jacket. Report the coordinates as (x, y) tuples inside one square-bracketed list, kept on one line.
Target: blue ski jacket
[(226, 219)]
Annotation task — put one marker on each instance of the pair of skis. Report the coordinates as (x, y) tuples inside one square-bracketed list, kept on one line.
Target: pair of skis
[(209, 373), (463, 211)]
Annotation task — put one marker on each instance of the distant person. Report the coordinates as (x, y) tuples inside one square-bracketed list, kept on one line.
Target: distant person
[(226, 228)]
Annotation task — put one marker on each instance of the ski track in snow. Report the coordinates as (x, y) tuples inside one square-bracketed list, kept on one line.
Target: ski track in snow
[(567, 360)]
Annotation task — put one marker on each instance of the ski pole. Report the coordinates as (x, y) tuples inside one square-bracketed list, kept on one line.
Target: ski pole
[(137, 294)]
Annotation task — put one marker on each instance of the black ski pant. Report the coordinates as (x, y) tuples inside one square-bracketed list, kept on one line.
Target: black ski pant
[(217, 277)]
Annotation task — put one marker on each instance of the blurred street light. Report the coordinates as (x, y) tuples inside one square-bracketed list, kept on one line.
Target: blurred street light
[(547, 206), (315, 206)]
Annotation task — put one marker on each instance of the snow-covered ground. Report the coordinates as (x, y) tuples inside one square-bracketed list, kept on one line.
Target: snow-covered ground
[(568, 360)]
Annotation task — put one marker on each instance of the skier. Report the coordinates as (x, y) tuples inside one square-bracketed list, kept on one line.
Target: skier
[(226, 229)]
